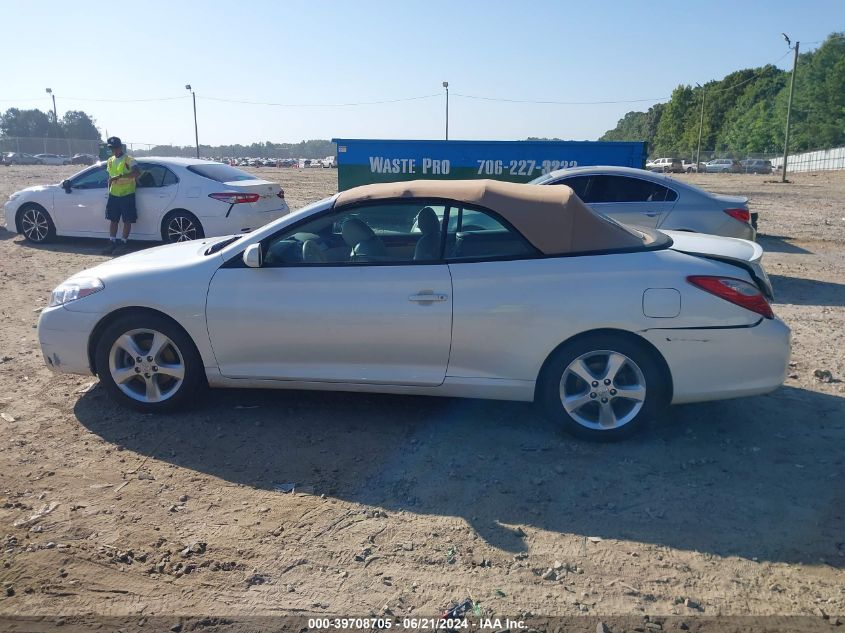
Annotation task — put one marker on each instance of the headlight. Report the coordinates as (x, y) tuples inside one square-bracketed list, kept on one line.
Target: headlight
[(75, 289)]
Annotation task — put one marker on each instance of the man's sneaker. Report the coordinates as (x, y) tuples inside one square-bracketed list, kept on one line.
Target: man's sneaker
[(109, 250)]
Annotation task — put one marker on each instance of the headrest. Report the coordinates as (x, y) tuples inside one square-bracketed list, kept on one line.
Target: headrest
[(427, 221), (355, 231)]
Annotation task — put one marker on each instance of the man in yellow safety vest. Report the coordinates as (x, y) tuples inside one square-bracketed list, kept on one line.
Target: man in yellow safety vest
[(123, 174)]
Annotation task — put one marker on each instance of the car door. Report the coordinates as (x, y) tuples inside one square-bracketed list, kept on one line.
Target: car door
[(81, 208), (630, 200), (156, 188), (497, 279), (339, 298)]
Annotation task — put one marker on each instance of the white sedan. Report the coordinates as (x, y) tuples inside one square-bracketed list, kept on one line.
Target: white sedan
[(178, 199), (477, 289)]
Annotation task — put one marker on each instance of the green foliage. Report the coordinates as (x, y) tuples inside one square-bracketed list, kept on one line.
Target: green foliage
[(35, 123), (77, 124), (15, 122), (745, 112)]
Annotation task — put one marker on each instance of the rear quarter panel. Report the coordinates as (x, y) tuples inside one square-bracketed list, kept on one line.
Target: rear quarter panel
[(509, 316)]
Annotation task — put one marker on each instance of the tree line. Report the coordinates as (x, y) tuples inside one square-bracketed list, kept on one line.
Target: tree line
[(35, 123), (745, 112)]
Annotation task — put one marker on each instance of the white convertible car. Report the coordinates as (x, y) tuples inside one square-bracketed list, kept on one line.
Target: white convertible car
[(178, 199), (454, 288)]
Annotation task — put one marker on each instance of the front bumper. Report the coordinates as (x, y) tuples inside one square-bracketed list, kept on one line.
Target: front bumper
[(64, 335), (9, 211), (720, 363)]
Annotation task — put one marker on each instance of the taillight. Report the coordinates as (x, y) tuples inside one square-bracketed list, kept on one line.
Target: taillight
[(743, 215), (281, 194), (736, 291), (231, 197)]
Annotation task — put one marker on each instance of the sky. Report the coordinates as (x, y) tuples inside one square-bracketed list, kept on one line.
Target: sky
[(106, 57)]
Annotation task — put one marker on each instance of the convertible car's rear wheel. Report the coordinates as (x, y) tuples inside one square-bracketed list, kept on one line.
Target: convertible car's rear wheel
[(603, 387), (36, 224), (148, 363)]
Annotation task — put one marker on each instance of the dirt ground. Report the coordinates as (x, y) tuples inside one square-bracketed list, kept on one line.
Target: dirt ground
[(404, 504)]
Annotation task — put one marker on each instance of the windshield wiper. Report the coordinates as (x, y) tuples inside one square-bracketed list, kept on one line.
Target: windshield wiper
[(216, 248)]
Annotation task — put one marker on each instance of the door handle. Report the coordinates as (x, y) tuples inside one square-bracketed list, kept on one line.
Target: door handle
[(428, 297), (652, 214)]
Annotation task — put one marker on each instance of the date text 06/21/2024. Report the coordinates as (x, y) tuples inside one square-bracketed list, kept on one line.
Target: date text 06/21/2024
[(416, 624), (490, 167)]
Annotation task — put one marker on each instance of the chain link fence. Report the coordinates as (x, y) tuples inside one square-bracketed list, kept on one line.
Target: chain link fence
[(45, 145)]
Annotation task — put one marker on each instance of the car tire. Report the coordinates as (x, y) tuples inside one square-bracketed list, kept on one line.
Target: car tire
[(594, 410), (35, 224), (173, 378), (181, 226)]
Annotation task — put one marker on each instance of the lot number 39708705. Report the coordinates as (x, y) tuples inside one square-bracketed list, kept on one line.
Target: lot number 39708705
[(521, 167)]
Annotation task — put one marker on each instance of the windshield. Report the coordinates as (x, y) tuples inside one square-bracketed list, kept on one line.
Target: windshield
[(220, 172)]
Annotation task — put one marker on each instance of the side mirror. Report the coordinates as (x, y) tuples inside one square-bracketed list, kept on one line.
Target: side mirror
[(66, 186), (252, 256)]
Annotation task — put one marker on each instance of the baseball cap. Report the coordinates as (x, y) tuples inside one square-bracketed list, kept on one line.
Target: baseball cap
[(113, 141)]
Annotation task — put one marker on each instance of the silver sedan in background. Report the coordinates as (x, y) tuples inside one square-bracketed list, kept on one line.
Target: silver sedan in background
[(652, 200)]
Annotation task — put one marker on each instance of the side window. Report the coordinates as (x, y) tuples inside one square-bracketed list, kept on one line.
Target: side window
[(578, 184), (624, 189), (392, 233), (96, 178), (476, 234), (154, 176), (169, 178)]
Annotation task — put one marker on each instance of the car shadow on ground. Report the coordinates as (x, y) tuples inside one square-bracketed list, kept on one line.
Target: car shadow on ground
[(755, 478), (780, 244), (79, 245), (811, 292)]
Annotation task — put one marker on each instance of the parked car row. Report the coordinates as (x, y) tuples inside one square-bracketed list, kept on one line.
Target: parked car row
[(19, 158), (167, 198), (22, 158), (327, 162), (715, 166)]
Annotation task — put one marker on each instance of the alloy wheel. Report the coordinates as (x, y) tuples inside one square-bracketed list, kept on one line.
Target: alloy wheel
[(181, 229), (146, 365), (602, 390), (35, 225)]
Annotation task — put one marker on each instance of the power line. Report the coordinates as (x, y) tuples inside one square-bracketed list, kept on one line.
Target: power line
[(318, 105), (553, 102), (101, 100)]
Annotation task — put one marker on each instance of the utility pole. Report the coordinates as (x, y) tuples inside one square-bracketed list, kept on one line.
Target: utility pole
[(196, 133), (700, 128), (446, 85), (789, 106), (55, 112)]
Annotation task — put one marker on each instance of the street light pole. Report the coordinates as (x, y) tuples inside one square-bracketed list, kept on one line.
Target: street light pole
[(196, 133), (446, 85), (55, 113), (789, 106), (700, 128)]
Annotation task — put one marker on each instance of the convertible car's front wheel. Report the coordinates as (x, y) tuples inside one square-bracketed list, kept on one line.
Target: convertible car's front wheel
[(602, 387), (149, 363)]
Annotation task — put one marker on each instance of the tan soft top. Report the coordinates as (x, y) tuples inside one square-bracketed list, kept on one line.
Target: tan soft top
[(551, 217)]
